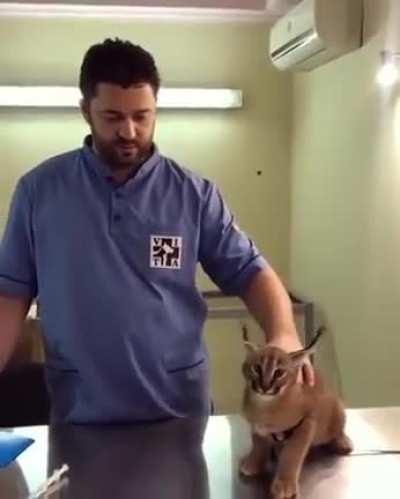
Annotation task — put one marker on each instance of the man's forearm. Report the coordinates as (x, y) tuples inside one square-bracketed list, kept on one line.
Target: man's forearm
[(13, 311), (269, 303)]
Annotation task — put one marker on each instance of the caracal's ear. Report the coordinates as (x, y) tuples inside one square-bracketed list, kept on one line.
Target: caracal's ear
[(297, 358), (250, 347)]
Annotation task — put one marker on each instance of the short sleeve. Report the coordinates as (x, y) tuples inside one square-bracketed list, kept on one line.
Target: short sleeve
[(226, 254), (17, 261)]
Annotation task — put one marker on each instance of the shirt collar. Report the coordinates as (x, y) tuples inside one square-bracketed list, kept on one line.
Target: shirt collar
[(101, 168)]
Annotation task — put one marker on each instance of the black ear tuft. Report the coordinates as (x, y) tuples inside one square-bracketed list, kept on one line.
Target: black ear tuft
[(299, 356), (245, 333), (320, 331)]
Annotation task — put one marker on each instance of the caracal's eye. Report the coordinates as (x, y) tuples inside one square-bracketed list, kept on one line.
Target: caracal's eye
[(256, 372), (279, 373)]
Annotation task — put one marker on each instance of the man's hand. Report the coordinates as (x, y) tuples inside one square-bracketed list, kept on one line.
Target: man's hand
[(269, 303), (291, 344), (306, 374)]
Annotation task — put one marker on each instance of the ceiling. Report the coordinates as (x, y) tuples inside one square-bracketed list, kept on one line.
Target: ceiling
[(256, 10)]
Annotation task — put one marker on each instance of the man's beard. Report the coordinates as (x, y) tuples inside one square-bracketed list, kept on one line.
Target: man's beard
[(119, 159)]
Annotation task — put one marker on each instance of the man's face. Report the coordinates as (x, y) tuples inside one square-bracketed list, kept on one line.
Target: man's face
[(122, 122)]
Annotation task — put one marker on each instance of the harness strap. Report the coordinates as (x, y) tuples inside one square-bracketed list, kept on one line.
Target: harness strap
[(284, 435)]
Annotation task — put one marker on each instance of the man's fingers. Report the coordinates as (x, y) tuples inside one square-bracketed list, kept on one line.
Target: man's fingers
[(308, 375)]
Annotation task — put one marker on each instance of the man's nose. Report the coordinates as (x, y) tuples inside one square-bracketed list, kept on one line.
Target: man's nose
[(127, 130)]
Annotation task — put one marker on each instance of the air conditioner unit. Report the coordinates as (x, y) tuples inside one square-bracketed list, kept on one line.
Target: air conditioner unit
[(315, 32)]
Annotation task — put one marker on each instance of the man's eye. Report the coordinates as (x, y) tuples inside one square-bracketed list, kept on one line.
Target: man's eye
[(142, 118), (111, 119)]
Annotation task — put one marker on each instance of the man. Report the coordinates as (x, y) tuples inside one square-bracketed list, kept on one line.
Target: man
[(107, 237)]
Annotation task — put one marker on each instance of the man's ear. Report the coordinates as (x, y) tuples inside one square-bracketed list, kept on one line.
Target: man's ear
[(84, 106)]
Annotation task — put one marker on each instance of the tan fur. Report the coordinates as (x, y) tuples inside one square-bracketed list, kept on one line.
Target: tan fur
[(314, 412)]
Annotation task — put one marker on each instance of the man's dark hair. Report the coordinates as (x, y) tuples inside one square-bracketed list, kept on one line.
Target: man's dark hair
[(119, 62)]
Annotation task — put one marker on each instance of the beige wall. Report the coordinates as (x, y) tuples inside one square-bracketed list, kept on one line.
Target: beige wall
[(342, 200), (344, 157), (345, 237)]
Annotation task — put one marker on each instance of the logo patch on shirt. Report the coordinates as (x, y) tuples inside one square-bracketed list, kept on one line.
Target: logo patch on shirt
[(165, 252)]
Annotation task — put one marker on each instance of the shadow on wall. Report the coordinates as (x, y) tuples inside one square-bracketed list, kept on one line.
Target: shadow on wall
[(326, 358)]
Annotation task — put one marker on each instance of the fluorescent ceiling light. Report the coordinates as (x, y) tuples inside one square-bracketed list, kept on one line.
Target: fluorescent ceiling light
[(186, 98), (129, 12)]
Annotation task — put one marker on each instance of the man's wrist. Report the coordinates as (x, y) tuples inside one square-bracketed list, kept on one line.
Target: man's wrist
[(289, 342)]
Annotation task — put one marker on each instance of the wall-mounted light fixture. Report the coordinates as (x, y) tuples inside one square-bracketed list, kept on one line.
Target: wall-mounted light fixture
[(389, 72), (175, 98)]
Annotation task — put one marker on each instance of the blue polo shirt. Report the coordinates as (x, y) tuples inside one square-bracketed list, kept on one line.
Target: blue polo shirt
[(113, 268)]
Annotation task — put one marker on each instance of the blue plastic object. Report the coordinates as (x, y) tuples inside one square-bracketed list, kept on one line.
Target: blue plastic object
[(11, 446)]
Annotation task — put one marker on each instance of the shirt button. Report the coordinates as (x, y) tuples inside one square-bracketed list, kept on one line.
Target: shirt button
[(117, 217), (118, 195)]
